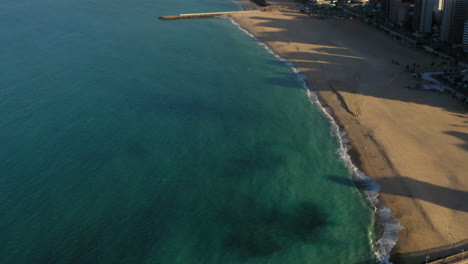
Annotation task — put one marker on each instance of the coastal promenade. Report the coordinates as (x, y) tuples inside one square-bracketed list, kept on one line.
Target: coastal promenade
[(460, 258), (413, 143)]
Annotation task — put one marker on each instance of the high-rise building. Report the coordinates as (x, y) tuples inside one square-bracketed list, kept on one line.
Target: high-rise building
[(438, 11), (385, 7), (454, 16), (403, 14), (423, 14), (394, 8), (465, 36), (440, 5)]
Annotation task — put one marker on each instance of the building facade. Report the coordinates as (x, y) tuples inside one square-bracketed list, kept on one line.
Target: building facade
[(465, 37), (438, 12), (403, 14), (423, 14), (454, 17), (394, 9), (385, 7)]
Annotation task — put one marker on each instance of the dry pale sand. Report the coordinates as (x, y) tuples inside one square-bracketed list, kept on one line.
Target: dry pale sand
[(413, 143)]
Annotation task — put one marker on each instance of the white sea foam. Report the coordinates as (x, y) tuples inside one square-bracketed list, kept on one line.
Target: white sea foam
[(389, 225)]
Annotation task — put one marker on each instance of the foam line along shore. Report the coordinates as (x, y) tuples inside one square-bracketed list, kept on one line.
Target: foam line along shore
[(367, 96), (387, 226)]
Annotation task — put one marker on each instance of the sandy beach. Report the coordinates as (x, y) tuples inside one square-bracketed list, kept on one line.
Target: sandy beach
[(413, 143)]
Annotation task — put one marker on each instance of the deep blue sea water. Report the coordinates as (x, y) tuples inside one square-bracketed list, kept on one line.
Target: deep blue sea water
[(125, 139)]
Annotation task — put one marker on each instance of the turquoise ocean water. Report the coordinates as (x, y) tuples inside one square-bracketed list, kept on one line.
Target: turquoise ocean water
[(125, 139)]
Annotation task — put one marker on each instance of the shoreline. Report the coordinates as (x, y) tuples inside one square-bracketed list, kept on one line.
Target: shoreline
[(369, 152), (386, 225)]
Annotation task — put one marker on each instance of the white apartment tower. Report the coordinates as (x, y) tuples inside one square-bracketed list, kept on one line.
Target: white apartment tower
[(465, 36), (454, 17), (439, 9), (423, 15), (440, 5), (403, 14), (394, 8)]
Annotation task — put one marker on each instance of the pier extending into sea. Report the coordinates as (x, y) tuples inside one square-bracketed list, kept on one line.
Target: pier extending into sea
[(202, 15)]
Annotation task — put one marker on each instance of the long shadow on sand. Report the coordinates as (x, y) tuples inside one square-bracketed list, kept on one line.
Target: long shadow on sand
[(461, 136), (446, 197), (349, 57), (336, 54)]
